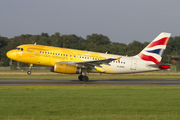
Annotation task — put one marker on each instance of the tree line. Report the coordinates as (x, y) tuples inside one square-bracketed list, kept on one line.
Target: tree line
[(94, 42)]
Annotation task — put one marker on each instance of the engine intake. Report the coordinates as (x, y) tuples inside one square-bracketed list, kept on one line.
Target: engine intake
[(65, 68)]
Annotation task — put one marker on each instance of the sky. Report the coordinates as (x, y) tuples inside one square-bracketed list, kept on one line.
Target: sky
[(121, 21)]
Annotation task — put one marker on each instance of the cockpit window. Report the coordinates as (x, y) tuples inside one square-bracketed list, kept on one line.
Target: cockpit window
[(19, 49)]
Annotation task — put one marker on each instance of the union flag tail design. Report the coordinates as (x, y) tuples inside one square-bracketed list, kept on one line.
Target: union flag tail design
[(154, 51)]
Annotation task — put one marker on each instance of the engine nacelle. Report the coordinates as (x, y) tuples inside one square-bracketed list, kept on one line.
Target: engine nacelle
[(65, 68)]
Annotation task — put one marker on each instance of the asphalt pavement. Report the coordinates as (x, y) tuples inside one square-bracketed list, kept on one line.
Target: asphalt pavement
[(98, 82)]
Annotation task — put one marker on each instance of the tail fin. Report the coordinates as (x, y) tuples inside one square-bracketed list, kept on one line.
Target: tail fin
[(154, 51)]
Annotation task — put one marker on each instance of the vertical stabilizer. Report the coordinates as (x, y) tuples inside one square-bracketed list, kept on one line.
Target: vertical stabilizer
[(154, 51)]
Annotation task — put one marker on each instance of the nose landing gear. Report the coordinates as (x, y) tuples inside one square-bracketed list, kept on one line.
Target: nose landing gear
[(30, 68)]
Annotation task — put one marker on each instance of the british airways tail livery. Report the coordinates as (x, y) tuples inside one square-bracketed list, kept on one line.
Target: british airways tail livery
[(71, 61), (154, 51)]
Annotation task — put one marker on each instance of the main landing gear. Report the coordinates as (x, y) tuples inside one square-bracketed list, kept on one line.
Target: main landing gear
[(30, 68), (83, 78)]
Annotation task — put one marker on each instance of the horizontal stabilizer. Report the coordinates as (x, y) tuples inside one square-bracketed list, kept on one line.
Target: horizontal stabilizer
[(160, 65)]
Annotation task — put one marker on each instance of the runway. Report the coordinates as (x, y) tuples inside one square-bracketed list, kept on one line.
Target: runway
[(101, 82)]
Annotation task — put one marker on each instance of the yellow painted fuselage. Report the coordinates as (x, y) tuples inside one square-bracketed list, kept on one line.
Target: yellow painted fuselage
[(48, 56)]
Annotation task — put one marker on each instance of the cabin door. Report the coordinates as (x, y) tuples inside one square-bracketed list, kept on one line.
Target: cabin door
[(32, 50), (133, 64)]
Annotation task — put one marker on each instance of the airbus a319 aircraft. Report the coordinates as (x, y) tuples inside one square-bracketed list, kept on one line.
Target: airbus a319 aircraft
[(71, 61)]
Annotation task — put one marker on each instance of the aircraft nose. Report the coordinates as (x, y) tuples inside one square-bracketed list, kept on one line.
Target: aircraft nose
[(11, 54)]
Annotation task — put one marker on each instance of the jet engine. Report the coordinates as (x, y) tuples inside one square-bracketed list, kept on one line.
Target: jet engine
[(65, 68)]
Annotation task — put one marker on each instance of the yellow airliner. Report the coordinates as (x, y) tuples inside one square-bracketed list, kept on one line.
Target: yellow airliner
[(71, 61)]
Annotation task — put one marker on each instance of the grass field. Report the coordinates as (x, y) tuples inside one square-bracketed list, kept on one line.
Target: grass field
[(89, 103)]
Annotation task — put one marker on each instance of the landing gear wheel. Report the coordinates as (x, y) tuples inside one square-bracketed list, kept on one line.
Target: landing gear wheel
[(80, 77), (85, 78), (28, 72)]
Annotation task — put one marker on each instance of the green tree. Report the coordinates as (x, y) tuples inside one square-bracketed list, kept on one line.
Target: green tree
[(98, 39)]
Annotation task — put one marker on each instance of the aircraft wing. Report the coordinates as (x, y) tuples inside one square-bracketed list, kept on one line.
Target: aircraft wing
[(91, 64)]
